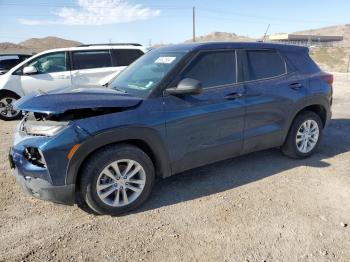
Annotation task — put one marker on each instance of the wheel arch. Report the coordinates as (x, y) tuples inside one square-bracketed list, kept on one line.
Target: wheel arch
[(144, 138), (7, 91), (319, 108)]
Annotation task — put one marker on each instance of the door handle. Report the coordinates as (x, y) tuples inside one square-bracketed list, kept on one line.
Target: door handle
[(233, 96), (295, 86)]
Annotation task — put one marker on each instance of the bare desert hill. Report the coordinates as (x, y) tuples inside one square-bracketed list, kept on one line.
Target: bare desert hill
[(8, 48), (221, 36), (50, 42), (36, 45)]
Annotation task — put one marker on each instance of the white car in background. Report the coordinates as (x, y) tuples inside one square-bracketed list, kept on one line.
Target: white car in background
[(82, 66)]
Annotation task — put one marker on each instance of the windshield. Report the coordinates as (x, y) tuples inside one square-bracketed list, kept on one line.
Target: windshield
[(142, 76)]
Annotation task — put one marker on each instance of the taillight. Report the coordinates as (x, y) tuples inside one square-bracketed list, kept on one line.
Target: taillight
[(328, 78)]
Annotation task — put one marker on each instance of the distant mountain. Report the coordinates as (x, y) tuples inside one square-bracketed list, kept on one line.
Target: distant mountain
[(7, 48), (222, 37), (36, 45), (341, 30), (50, 42)]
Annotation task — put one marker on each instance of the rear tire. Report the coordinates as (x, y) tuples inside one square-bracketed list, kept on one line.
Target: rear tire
[(304, 135), (117, 179), (7, 112)]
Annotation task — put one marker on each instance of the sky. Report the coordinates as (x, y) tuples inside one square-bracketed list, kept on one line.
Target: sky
[(162, 21)]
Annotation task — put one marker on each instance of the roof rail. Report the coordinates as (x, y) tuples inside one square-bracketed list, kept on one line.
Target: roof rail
[(134, 44)]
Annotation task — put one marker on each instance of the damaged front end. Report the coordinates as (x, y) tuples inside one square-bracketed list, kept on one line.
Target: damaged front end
[(49, 133)]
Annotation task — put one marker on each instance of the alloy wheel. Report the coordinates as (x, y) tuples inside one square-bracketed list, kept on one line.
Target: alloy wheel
[(6, 107), (307, 136), (121, 182)]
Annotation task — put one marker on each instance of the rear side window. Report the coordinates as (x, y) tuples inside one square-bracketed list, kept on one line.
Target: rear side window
[(124, 57), (264, 64), (91, 59), (303, 62), (213, 68)]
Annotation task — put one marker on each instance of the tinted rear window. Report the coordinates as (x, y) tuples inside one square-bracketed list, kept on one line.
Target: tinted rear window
[(264, 64), (91, 59), (124, 57), (213, 68)]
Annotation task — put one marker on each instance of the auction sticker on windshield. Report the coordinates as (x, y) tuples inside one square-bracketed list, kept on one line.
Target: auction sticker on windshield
[(165, 60)]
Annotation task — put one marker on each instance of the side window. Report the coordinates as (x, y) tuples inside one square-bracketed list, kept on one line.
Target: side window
[(124, 57), (49, 63), (213, 68), (264, 64), (91, 59)]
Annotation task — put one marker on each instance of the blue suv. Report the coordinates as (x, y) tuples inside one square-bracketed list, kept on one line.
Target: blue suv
[(174, 109)]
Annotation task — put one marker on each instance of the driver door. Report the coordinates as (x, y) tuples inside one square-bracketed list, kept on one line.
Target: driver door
[(207, 127), (52, 73)]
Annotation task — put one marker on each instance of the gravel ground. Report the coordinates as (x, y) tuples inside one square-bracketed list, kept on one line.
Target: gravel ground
[(258, 207)]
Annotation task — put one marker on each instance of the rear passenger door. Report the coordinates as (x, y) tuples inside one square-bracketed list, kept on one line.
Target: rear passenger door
[(90, 66), (273, 90), (207, 127)]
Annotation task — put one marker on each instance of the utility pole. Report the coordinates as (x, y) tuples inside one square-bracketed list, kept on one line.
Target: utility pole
[(194, 24)]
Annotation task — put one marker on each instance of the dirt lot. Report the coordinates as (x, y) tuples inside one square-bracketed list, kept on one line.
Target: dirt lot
[(258, 207)]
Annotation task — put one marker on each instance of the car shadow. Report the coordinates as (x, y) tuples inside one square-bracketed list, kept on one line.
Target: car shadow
[(239, 171)]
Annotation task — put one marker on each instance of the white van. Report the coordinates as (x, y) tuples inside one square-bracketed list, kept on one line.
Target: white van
[(81, 66)]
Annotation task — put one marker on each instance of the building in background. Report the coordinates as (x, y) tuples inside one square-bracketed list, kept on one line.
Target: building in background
[(306, 40)]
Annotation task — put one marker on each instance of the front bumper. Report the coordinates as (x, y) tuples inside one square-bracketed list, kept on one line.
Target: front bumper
[(42, 189), (46, 182), (32, 183)]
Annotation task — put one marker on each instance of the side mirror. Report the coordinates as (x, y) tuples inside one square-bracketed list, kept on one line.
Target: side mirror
[(187, 86), (29, 70)]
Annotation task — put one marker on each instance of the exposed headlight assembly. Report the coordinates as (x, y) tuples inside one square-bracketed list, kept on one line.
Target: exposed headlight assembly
[(43, 128)]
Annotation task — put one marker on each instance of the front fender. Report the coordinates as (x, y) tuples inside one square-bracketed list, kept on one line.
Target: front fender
[(11, 83), (147, 135)]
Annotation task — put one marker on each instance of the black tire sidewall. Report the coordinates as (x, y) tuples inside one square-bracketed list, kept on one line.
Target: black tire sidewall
[(95, 167)]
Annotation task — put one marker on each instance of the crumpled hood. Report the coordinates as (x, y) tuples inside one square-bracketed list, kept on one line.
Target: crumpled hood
[(82, 98)]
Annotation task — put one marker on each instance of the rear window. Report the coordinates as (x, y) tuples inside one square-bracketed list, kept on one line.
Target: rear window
[(124, 57), (264, 64), (91, 59)]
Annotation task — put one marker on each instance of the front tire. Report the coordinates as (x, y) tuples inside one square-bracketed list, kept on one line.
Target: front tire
[(117, 179), (304, 135), (7, 112)]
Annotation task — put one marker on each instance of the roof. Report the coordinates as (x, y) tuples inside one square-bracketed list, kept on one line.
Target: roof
[(230, 45), (14, 54), (296, 37), (94, 47)]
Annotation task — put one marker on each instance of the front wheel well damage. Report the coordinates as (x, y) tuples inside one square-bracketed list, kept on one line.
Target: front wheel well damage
[(134, 142)]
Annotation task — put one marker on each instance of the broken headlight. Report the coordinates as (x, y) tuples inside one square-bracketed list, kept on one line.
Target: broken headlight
[(43, 128)]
